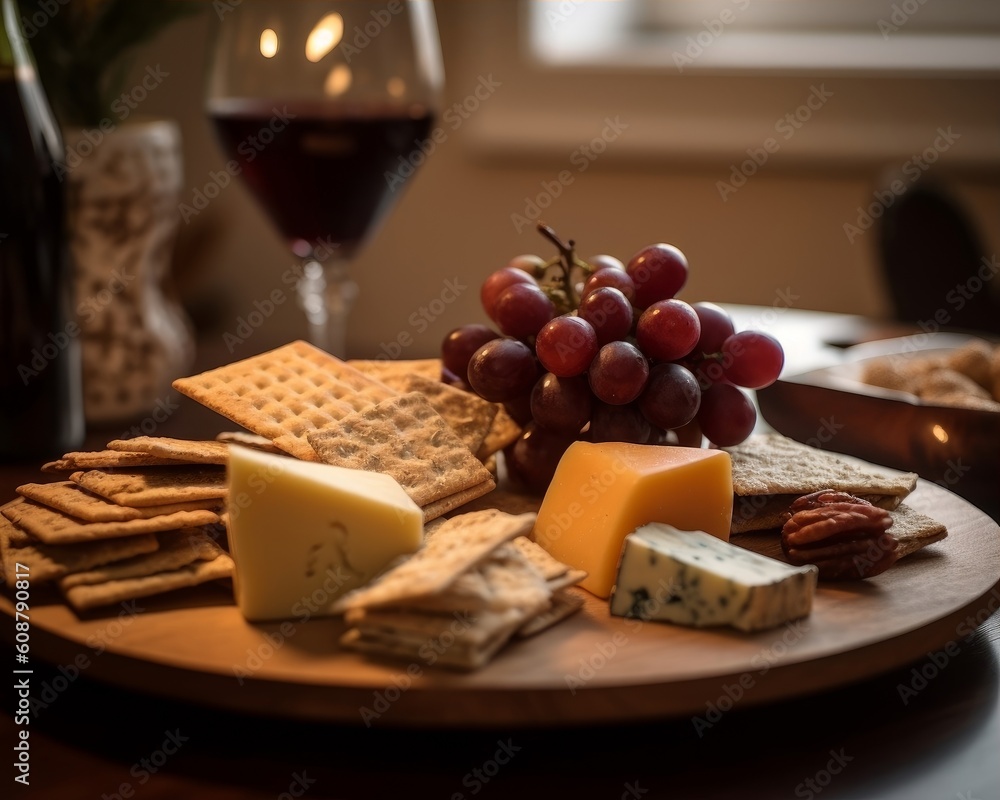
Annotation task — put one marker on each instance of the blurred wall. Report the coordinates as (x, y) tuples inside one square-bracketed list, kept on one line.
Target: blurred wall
[(783, 232)]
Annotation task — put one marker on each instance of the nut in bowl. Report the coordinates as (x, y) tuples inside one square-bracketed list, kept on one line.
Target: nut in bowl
[(935, 412)]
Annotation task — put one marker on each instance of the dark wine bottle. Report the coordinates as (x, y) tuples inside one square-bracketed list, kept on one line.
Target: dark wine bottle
[(41, 410)]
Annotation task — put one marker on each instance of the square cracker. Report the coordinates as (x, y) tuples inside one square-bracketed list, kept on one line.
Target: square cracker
[(468, 414), (457, 545), (85, 597), (52, 527), (285, 394), (49, 562), (502, 432), (504, 580), (564, 604), (186, 450), (774, 464), (176, 549), (382, 369), (103, 459), (403, 437), (155, 487), (406, 635), (75, 501), (457, 501)]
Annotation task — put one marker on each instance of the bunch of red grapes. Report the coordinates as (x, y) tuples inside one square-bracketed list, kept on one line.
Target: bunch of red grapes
[(603, 351)]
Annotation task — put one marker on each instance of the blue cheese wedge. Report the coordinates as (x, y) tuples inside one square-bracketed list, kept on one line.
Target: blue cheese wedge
[(692, 578)]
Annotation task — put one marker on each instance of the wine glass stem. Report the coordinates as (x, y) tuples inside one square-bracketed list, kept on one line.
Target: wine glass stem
[(327, 294)]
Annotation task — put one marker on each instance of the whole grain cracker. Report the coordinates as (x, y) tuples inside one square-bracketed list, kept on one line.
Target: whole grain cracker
[(176, 549), (155, 487), (403, 437), (47, 563), (457, 500), (75, 501), (505, 579), (914, 530), (564, 604), (468, 414), (768, 464), (502, 432), (104, 459), (248, 439), (185, 450), (52, 527), (285, 394), (505, 500), (408, 635), (457, 545), (536, 555), (86, 597)]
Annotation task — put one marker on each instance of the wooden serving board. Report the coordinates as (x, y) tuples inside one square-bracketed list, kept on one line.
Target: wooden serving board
[(591, 668)]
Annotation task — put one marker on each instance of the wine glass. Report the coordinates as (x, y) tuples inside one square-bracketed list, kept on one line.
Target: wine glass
[(323, 105)]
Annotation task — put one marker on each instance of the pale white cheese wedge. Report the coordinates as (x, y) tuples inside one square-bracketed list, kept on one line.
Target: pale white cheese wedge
[(692, 578), (302, 534)]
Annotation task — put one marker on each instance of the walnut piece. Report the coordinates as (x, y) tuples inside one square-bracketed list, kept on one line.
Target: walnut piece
[(845, 537)]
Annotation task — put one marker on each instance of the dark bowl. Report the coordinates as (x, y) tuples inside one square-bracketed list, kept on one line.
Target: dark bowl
[(829, 408)]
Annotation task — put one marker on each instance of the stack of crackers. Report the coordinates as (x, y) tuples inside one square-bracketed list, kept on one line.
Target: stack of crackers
[(433, 438), (477, 583), (771, 471), (136, 519)]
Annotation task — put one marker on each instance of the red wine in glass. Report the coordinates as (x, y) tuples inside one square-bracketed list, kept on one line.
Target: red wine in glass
[(325, 174)]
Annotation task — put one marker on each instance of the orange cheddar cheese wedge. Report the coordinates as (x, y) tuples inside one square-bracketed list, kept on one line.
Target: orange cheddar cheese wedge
[(602, 492)]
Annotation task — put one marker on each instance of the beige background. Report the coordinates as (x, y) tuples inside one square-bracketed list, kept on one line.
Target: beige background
[(781, 233)]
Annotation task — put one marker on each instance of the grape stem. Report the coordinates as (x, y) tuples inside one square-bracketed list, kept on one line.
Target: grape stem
[(567, 261)]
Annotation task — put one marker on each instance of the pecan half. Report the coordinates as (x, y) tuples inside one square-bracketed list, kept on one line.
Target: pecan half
[(845, 537)]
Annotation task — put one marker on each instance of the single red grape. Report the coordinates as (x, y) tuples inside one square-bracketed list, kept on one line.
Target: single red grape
[(459, 345), (495, 284), (726, 416), (609, 312), (671, 397), (716, 327), (752, 359), (531, 264), (562, 405), (668, 330), (603, 261), (619, 423), (613, 278), (566, 346), (659, 272), (522, 309), (532, 459), (618, 374), (502, 369)]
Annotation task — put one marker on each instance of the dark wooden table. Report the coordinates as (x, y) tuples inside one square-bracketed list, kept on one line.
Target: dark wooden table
[(928, 730)]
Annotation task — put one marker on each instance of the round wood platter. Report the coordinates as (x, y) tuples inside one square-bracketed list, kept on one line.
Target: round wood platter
[(591, 668)]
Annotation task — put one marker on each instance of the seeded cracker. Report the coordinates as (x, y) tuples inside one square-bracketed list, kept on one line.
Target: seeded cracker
[(403, 437), (285, 394), (155, 487), (75, 501), (185, 450)]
